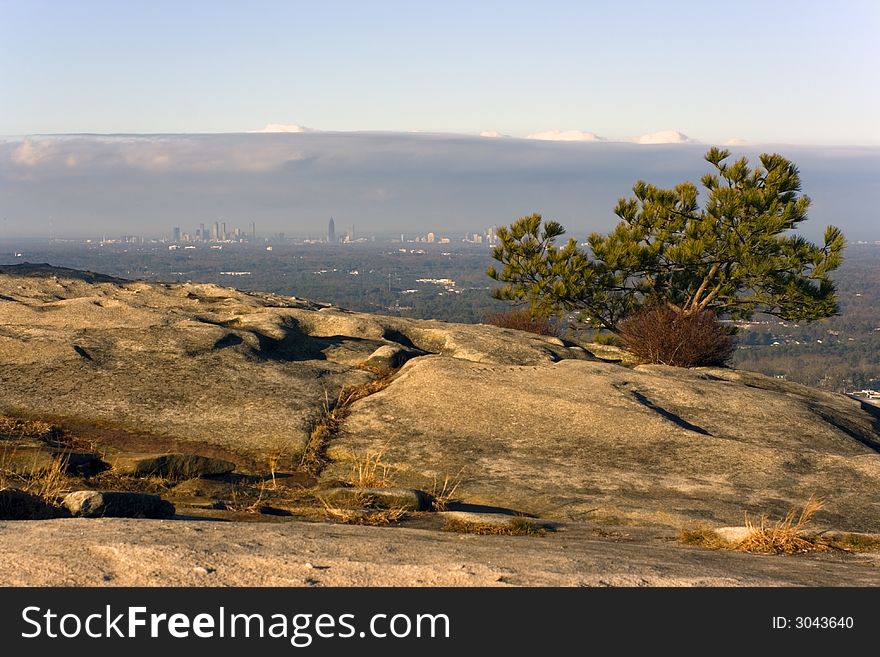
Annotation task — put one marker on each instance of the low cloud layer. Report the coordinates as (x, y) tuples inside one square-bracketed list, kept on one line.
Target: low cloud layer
[(285, 127), (565, 135), (292, 182)]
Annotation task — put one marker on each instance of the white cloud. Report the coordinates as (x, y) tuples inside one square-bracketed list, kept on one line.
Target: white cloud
[(736, 141), (565, 135), (491, 133), (664, 137), (285, 127)]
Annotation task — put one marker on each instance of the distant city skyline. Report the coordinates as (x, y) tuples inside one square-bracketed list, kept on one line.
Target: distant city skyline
[(781, 72)]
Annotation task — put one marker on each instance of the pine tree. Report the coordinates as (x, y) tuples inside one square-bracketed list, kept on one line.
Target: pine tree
[(735, 256)]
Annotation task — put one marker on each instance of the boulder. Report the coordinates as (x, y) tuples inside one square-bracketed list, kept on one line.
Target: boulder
[(117, 504), (408, 499), (20, 505), (172, 466)]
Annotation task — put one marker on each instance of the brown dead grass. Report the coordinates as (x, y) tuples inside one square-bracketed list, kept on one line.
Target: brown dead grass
[(443, 493), (786, 536), (366, 517), (783, 536), (14, 428), (49, 483), (705, 538), (849, 542), (314, 457), (370, 471), (522, 320)]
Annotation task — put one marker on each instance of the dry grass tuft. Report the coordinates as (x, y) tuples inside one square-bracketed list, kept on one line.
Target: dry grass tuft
[(705, 538), (370, 471), (444, 493), (782, 536), (50, 483), (367, 517)]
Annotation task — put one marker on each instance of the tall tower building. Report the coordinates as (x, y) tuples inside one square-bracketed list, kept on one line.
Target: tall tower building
[(331, 231), (223, 235), (176, 234), (215, 231), (202, 233)]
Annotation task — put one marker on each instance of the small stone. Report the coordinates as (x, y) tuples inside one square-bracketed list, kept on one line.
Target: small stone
[(199, 570)]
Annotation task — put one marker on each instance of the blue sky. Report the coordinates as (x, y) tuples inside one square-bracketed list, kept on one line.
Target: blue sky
[(780, 72)]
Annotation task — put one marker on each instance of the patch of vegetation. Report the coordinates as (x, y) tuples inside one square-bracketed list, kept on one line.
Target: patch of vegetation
[(523, 320), (704, 538), (849, 542), (370, 471), (783, 536), (49, 483), (314, 457), (660, 335), (786, 536), (366, 517), (517, 526), (14, 428), (443, 493)]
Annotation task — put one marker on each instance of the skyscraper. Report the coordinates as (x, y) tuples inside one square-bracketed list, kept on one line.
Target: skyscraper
[(331, 231), (215, 231), (176, 233)]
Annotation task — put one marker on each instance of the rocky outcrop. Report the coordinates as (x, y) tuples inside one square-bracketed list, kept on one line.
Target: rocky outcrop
[(521, 423), (590, 441), (199, 363)]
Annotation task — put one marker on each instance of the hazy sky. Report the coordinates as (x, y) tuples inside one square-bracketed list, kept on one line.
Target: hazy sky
[(784, 72), (75, 186)]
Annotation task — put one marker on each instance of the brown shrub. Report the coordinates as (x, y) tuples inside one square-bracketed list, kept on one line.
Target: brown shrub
[(659, 334), (522, 320)]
